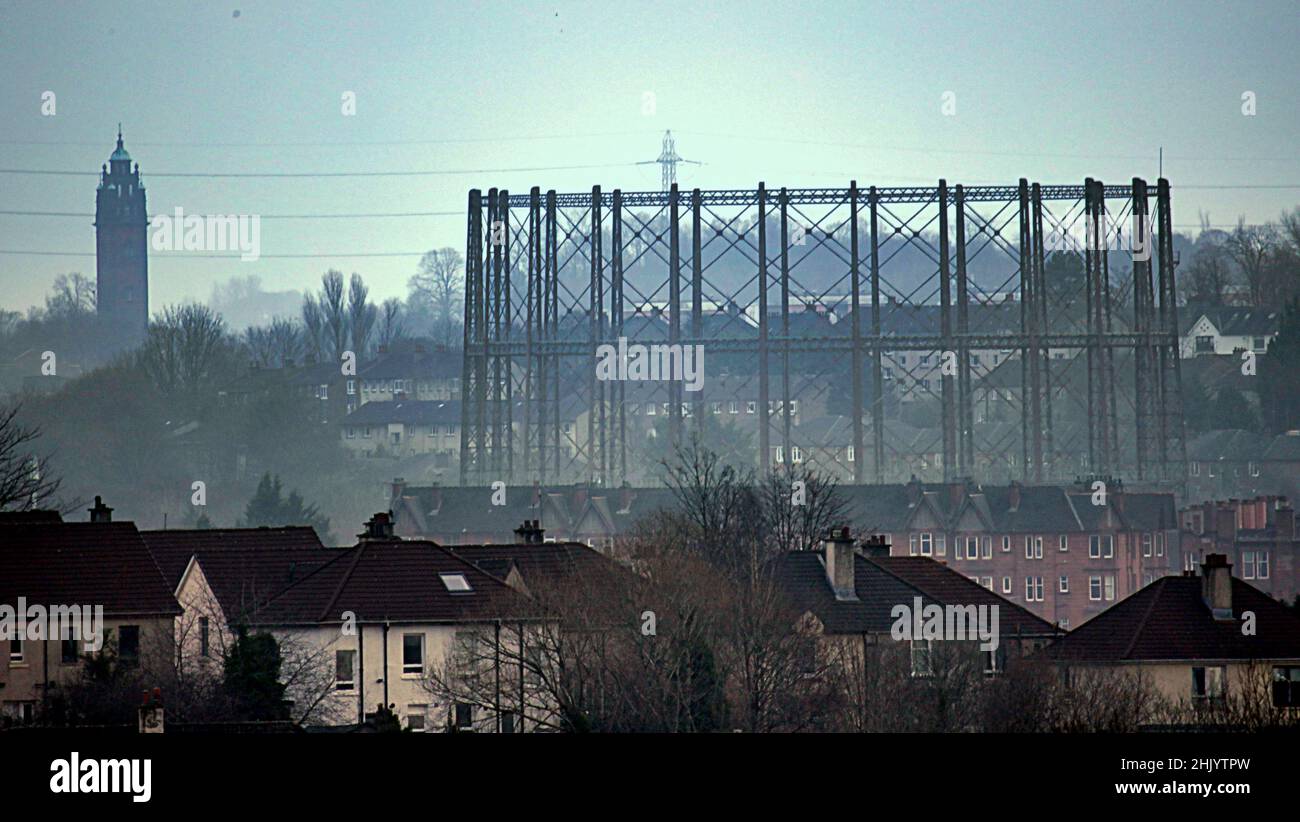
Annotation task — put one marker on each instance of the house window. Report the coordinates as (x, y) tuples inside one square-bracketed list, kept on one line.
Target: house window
[(1064, 586), (507, 722), (15, 650), (412, 653), (1196, 469), (1253, 469), (750, 407), (128, 643), (733, 407), (1029, 547), (352, 387), (1094, 546), (1160, 544), (1109, 581), (780, 454), (203, 637), (795, 454), (1094, 589), (1033, 589), (1006, 585), (849, 453), (69, 652), (415, 717), (345, 670), (1038, 547), (1063, 542), (911, 545), (464, 715), (1286, 687), (650, 409), (716, 408), (324, 392), (1254, 565), (1146, 545), (1108, 544), (988, 547), (941, 545), (927, 544), (1207, 683), (972, 547), (921, 662), (1258, 343), (1006, 544)]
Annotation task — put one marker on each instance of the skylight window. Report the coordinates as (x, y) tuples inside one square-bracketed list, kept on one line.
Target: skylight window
[(455, 583)]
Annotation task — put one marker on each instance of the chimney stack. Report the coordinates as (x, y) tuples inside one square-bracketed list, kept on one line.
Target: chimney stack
[(839, 563), (378, 528), (877, 545), (101, 512), (1216, 585), (530, 533)]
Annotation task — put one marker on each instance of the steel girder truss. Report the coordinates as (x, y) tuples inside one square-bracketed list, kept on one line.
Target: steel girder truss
[(549, 277)]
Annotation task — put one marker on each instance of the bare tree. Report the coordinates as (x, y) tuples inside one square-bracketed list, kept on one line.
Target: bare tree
[(361, 315), (73, 297), (313, 324), (439, 284), (391, 322), (25, 479), (1249, 248), (334, 311), (801, 505), (185, 349)]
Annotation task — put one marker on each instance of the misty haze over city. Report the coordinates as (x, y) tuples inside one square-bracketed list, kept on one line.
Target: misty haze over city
[(507, 367)]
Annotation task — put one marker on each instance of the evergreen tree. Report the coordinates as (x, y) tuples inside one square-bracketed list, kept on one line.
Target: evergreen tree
[(269, 507), (252, 677)]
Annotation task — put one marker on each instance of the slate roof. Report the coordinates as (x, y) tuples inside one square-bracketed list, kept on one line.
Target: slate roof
[(1228, 444), (1168, 620), (884, 582), (406, 412), (401, 365), (1236, 321), (1284, 448), (83, 563), (397, 581)]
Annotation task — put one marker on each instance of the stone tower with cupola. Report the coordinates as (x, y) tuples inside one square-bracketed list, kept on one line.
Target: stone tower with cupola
[(121, 252)]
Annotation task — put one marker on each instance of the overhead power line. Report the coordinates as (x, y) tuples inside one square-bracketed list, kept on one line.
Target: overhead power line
[(299, 174)]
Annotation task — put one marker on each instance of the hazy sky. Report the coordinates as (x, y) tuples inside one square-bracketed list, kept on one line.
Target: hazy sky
[(793, 93)]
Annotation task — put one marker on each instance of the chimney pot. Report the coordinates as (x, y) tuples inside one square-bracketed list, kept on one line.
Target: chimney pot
[(530, 533), (101, 512)]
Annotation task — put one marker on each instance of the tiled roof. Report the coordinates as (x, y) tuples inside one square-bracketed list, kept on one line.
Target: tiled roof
[(884, 582), (243, 566), (397, 581), (548, 563), (1169, 620), (407, 412), (83, 563), (1235, 321)]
